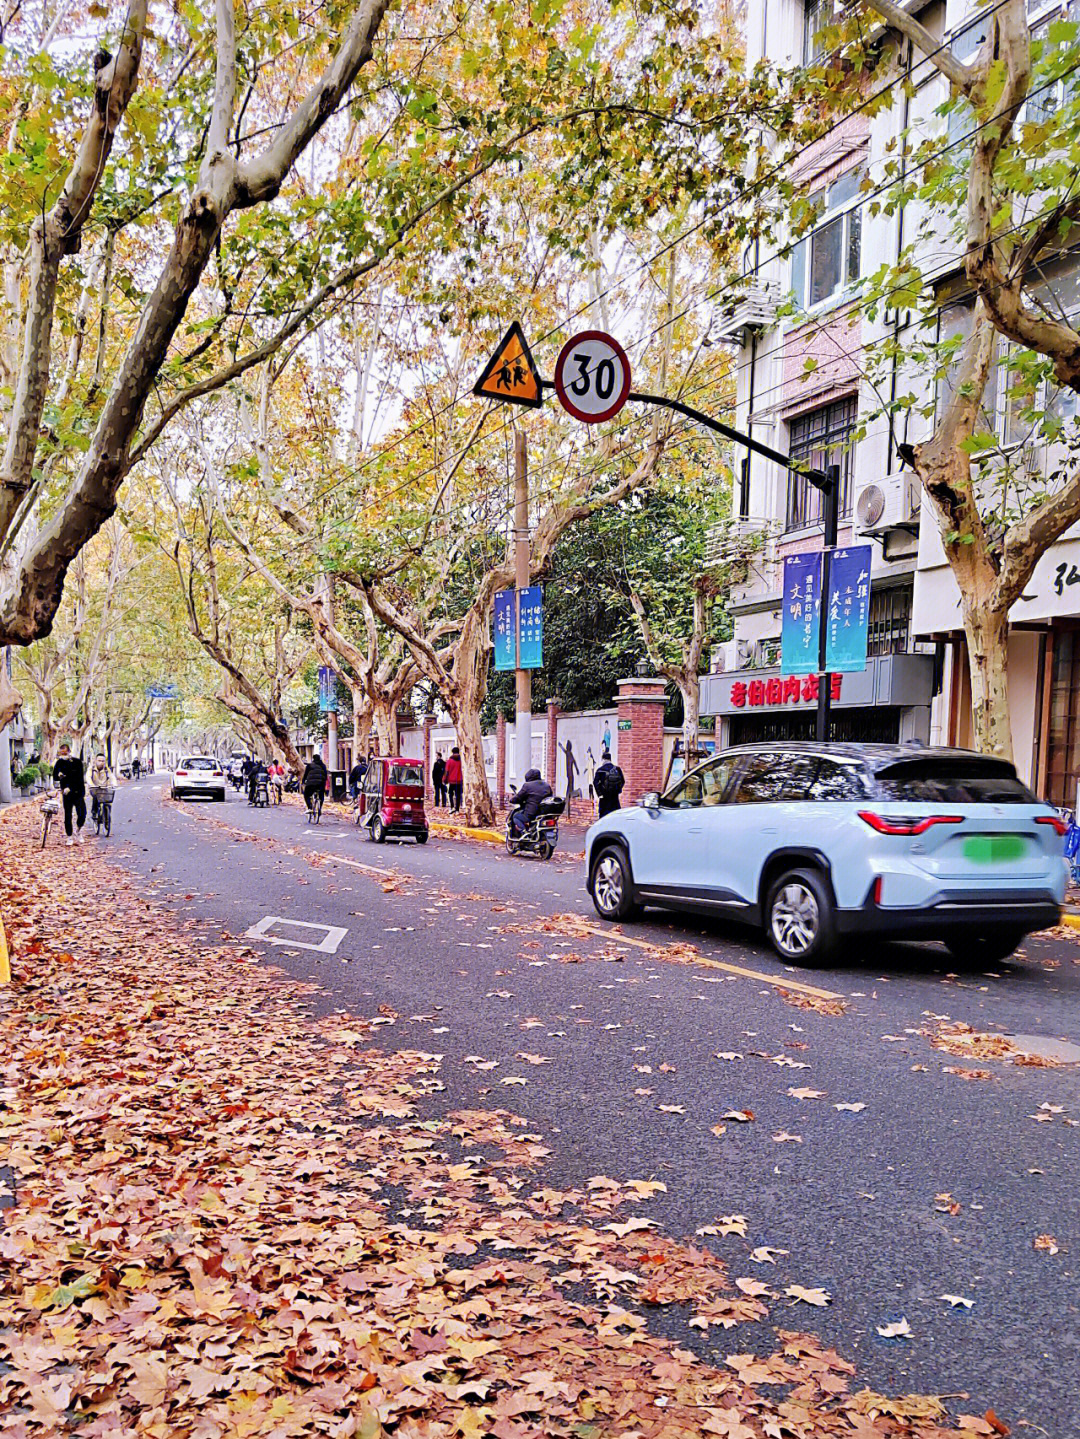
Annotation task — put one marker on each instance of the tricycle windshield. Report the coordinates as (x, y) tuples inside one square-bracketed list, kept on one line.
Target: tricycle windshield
[(408, 774)]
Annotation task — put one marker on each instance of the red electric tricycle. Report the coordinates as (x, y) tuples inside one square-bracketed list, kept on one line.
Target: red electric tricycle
[(391, 800)]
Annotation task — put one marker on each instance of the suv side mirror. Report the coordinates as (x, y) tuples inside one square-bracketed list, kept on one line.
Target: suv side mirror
[(650, 801)]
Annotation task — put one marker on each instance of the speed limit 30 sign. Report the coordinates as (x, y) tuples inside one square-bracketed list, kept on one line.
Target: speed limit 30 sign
[(592, 376)]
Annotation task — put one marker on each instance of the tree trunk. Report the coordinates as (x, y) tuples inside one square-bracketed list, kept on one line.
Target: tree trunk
[(11, 701), (477, 806), (690, 690), (267, 726), (987, 633), (384, 720)]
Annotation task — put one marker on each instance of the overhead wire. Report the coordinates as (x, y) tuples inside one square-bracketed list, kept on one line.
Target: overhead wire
[(823, 321), (754, 188)]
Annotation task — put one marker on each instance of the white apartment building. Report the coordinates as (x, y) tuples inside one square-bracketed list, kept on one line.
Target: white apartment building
[(916, 684)]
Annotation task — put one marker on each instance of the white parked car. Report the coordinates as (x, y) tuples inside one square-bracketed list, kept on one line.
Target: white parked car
[(198, 774)]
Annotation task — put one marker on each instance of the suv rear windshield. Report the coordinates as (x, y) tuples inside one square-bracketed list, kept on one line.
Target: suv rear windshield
[(952, 781), (199, 764)]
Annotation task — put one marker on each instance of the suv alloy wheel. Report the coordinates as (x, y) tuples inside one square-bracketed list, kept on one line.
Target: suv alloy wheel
[(611, 884), (800, 917)]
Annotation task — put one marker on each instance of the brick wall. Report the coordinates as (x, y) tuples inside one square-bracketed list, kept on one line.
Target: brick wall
[(641, 745)]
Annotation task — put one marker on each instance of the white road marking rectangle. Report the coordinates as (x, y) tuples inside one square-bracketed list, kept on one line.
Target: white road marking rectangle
[(332, 934)]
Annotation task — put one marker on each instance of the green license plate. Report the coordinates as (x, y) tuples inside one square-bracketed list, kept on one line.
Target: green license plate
[(994, 848)]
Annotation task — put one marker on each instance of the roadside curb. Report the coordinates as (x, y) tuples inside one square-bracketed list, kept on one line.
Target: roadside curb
[(489, 836), (1071, 919)]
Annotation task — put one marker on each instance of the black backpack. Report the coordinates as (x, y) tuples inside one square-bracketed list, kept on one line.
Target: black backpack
[(608, 782)]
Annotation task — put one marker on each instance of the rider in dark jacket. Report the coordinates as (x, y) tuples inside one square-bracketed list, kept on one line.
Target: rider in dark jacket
[(530, 797), (314, 778)]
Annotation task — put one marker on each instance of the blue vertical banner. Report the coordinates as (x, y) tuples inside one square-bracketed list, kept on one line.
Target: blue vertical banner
[(327, 690), (801, 625), (848, 624), (531, 628), (505, 658)]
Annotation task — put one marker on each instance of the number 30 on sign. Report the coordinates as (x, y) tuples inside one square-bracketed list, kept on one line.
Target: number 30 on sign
[(592, 376)]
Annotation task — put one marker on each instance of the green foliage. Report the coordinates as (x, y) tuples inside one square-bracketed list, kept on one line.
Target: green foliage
[(26, 777)]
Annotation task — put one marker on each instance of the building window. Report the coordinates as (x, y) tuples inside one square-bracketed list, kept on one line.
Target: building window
[(820, 439), (827, 262), (818, 15), (889, 622)]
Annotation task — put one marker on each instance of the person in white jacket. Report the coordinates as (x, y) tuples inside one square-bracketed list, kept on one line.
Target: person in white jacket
[(101, 778)]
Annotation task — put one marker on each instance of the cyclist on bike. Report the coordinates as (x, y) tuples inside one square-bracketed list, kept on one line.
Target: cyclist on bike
[(313, 781), (277, 779), (101, 778)]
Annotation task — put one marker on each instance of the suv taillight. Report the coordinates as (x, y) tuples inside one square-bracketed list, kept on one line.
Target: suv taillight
[(897, 824), (181, 774), (1059, 824)]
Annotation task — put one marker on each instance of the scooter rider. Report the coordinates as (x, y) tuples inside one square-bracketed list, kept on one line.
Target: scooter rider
[(530, 797)]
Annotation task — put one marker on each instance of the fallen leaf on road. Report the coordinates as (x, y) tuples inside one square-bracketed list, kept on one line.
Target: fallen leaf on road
[(896, 1329), (817, 1297), (957, 1301), (646, 1188), (852, 1108), (726, 1224), (513, 1079), (753, 1287), (631, 1226), (671, 1108), (729, 1054), (741, 1116), (766, 1254), (1047, 1243), (783, 1137), (804, 1093), (718, 1129)]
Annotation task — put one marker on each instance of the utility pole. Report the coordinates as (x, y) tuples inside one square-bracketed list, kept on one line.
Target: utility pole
[(830, 513), (331, 717), (522, 576)]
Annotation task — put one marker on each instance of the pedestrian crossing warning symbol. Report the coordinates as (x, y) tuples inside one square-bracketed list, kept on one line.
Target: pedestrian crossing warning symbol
[(511, 373)]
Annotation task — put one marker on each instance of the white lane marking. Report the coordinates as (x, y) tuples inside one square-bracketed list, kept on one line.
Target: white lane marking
[(355, 864), (332, 934)]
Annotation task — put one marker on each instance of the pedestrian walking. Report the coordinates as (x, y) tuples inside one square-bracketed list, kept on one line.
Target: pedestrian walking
[(608, 783), (454, 780), (356, 776), (438, 779), (69, 775)]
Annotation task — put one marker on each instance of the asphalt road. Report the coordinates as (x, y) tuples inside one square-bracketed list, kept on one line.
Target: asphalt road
[(940, 1185)]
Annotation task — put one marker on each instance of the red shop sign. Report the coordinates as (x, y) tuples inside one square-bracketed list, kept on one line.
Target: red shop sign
[(781, 690)]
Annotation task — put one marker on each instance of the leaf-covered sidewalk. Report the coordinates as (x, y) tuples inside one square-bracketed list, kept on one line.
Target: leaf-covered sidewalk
[(234, 1219)]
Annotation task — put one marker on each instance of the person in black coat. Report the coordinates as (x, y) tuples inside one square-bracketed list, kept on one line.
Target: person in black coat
[(313, 780), (530, 797), (607, 782), (438, 772), (70, 777), (356, 776)]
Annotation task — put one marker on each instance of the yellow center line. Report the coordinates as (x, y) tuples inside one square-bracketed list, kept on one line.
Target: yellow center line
[(773, 979)]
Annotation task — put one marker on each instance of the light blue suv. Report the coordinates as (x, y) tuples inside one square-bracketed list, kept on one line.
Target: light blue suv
[(815, 842)]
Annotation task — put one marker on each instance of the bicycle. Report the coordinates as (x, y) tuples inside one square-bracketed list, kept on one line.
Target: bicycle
[(103, 803), (314, 814), (50, 808)]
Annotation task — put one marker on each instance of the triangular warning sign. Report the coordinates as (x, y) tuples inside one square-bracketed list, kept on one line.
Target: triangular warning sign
[(511, 373)]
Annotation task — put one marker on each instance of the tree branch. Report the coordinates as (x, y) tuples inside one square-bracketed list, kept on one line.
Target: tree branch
[(955, 71)]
